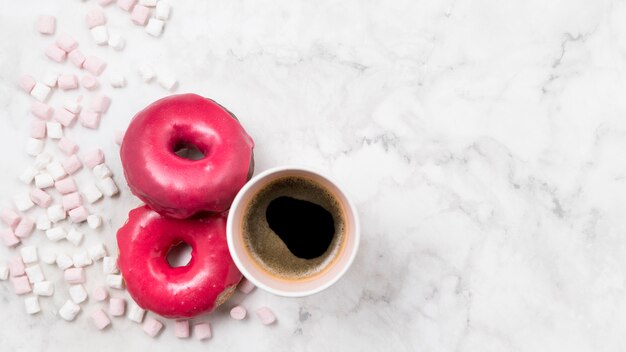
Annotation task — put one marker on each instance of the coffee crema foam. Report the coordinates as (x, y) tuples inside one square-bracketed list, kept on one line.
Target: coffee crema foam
[(268, 249)]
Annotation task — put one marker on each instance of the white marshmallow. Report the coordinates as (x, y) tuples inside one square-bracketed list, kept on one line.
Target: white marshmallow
[(94, 221), (50, 78), (42, 160), (43, 223), (28, 175), (135, 313), (102, 171), (64, 261), (154, 28), (34, 146), (29, 254), (115, 281), (163, 10), (116, 41), (23, 202), (72, 106), (54, 130), (166, 80), (56, 170), (41, 92), (109, 265), (56, 213), (74, 236), (108, 187), (117, 81), (69, 310), (44, 180), (34, 274), (32, 305), (148, 3), (100, 35), (4, 272), (43, 288), (56, 234), (146, 72), (97, 252), (78, 293), (81, 259), (92, 194)]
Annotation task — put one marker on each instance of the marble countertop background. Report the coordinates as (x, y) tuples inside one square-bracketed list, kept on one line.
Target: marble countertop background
[(482, 141)]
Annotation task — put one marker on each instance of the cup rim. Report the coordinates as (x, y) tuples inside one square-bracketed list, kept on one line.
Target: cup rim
[(230, 232)]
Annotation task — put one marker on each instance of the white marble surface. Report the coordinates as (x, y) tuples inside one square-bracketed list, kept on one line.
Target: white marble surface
[(483, 142)]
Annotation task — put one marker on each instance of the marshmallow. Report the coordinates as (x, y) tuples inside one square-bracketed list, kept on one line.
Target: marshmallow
[(66, 185), (69, 310), (97, 252), (32, 305), (56, 234), (163, 10), (81, 259), (72, 164), (43, 288), (148, 3), (78, 293), (100, 294), (24, 228), (65, 262), (140, 15), (4, 272), (9, 238), (16, 266), (41, 110), (117, 81), (266, 315), (167, 80), (181, 329), (92, 194), (152, 327), (56, 213), (77, 58), (94, 65), (202, 331), (56, 170), (29, 254), (90, 119), (126, 5), (66, 42), (100, 319), (74, 236), (72, 106), (41, 198), (116, 41), (105, 2), (34, 146), (42, 160), (54, 130), (108, 187), (9, 217), (21, 285), (117, 307), (238, 313), (74, 275), (44, 180), (100, 103), (102, 171), (50, 79), (89, 82), (38, 129), (41, 92), (146, 72), (155, 27), (100, 35), (46, 24), (78, 214), (93, 158), (109, 265), (67, 146), (64, 117), (115, 281), (94, 221), (27, 82), (34, 274), (119, 137), (43, 223), (68, 82), (95, 17), (28, 175), (22, 202), (71, 201), (55, 53)]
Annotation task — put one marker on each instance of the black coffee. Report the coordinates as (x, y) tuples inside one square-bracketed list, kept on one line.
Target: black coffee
[(293, 227)]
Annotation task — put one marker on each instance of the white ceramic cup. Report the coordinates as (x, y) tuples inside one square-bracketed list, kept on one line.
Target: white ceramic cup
[(260, 276)]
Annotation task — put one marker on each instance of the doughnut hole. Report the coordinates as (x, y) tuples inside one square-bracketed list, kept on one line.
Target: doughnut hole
[(189, 151), (179, 255)]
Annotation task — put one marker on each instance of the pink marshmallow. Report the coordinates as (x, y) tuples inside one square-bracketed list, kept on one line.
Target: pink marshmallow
[(67, 82), (25, 227), (119, 137), (79, 214), (94, 18), (238, 313), (89, 82), (100, 103), (93, 158), (9, 238), (40, 197), (72, 164), (100, 319), (38, 129), (76, 57), (41, 110), (151, 326), (246, 286), (90, 119), (46, 24), (21, 285), (27, 82), (66, 42), (67, 146), (16, 266), (94, 65), (71, 201), (181, 329), (140, 15), (105, 2), (117, 307), (100, 293), (74, 275), (202, 331), (64, 117), (66, 185), (266, 315), (55, 53), (9, 217), (126, 5)]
